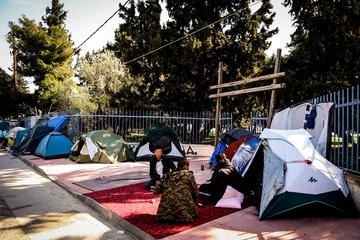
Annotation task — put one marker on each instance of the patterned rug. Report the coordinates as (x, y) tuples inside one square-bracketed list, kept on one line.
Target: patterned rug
[(138, 206)]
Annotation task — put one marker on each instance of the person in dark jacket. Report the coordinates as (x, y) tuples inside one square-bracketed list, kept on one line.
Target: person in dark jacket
[(158, 167), (224, 174), (179, 195)]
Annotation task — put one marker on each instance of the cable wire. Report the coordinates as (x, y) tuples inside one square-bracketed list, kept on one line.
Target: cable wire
[(192, 33), (76, 49)]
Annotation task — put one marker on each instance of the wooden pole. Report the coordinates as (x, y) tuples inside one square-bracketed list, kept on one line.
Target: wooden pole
[(15, 69), (246, 81), (273, 92), (218, 105), (248, 90)]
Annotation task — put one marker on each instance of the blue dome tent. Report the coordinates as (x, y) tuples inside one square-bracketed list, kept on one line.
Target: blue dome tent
[(57, 123), (54, 145)]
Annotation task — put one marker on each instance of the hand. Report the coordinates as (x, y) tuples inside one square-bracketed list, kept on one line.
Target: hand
[(152, 188)]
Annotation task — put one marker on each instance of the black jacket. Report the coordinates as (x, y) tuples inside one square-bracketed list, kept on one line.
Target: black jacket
[(167, 166), (224, 174)]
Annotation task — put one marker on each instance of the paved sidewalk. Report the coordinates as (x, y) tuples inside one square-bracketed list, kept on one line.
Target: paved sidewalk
[(10, 228), (35, 208)]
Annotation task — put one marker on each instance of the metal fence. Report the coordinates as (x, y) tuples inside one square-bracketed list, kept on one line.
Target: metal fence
[(345, 132), (258, 122), (30, 121), (132, 125)]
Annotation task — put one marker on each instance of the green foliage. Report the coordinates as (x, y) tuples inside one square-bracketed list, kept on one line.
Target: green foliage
[(55, 16), (141, 33), (177, 77), (107, 80), (325, 48), (66, 95), (43, 53), (7, 95), (11, 97)]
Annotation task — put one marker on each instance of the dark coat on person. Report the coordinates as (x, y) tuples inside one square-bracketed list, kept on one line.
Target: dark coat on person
[(227, 173), (224, 174), (179, 194), (168, 166)]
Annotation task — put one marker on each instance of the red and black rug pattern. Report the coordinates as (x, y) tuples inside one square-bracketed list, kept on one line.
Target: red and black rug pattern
[(138, 206)]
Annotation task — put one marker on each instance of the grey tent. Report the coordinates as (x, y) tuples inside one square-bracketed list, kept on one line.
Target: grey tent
[(297, 176), (12, 132)]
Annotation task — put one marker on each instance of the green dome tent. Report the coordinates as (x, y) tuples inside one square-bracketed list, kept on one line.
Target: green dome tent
[(101, 146), (160, 135)]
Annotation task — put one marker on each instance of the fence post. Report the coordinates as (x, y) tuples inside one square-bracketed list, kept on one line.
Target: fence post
[(273, 92), (218, 105)]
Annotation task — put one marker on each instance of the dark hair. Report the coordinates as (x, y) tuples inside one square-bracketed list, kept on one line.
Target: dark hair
[(220, 156), (183, 162)]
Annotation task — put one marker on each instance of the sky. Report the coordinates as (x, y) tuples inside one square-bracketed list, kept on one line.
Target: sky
[(85, 16)]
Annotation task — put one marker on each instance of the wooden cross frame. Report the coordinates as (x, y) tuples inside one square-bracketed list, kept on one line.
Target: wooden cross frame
[(273, 87)]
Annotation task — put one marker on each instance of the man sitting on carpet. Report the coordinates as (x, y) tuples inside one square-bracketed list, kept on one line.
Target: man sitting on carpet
[(158, 167), (179, 194)]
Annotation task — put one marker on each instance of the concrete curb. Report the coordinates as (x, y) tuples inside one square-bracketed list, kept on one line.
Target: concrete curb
[(108, 215)]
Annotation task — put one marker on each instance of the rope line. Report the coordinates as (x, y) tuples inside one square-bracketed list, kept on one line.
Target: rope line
[(192, 33)]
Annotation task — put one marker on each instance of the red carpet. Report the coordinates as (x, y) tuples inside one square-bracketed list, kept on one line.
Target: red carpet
[(134, 204)]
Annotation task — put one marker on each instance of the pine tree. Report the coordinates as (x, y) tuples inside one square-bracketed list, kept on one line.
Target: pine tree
[(141, 33), (55, 16), (177, 77), (43, 52), (325, 48)]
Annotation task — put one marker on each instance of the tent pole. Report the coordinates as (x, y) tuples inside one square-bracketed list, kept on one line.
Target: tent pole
[(218, 106), (273, 92)]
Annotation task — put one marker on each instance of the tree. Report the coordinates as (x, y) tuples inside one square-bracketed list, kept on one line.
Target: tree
[(177, 77), (239, 41), (325, 48), (107, 80), (55, 16), (141, 33), (66, 95), (7, 95), (43, 52), (12, 97)]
